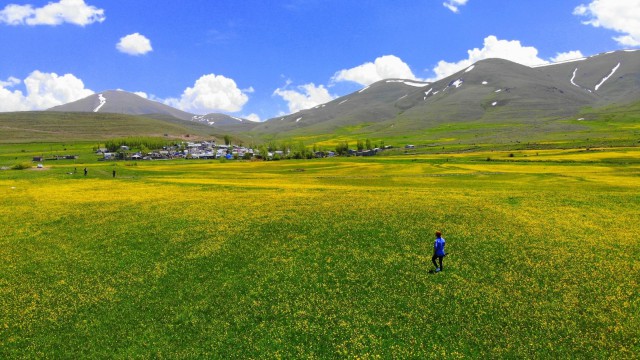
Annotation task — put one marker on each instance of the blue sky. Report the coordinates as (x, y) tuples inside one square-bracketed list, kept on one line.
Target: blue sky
[(261, 59)]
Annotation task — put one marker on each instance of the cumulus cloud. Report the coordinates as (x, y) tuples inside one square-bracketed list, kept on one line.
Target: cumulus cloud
[(566, 56), (253, 117), (211, 93), (384, 67), (12, 100), (134, 44), (11, 81), (493, 48), (622, 16), (43, 90), (308, 96), (454, 5), (75, 12)]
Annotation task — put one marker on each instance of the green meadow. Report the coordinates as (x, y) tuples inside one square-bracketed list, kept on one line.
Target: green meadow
[(326, 258)]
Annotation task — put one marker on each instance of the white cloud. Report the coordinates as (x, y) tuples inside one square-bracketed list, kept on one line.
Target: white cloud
[(211, 93), (566, 56), (309, 96), (493, 48), (11, 81), (622, 16), (75, 12), (12, 100), (134, 44), (142, 94), (253, 117), (43, 90), (384, 67), (454, 5)]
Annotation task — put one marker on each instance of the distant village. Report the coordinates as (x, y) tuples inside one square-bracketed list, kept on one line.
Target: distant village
[(211, 150)]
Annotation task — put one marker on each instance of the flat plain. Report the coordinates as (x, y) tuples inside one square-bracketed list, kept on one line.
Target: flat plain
[(323, 258)]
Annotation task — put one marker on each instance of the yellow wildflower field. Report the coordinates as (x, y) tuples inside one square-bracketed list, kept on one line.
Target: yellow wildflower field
[(325, 258)]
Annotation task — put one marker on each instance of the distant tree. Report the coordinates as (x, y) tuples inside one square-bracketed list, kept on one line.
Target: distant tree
[(285, 147), (264, 152), (300, 151), (360, 145), (342, 148), (227, 140), (368, 144)]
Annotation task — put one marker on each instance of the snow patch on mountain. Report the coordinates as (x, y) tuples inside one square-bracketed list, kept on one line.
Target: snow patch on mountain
[(457, 83), (102, 100), (414, 84), (469, 68), (298, 119), (607, 77), (409, 83), (574, 77), (343, 101), (363, 89)]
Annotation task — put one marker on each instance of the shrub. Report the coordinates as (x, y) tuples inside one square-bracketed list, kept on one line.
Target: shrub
[(22, 166)]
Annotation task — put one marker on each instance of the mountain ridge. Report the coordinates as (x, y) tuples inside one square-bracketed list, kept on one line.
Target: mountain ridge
[(491, 91)]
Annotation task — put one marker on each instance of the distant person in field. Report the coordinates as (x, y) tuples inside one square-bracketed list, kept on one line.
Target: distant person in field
[(85, 171), (114, 173), (438, 251)]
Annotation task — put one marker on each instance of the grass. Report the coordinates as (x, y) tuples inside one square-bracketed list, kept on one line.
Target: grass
[(324, 258), (614, 125), (29, 127)]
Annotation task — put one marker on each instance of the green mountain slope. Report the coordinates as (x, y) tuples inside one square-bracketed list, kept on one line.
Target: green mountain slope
[(493, 100), (58, 126)]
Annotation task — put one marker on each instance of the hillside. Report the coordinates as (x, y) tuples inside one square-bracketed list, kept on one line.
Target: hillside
[(492, 100), (42, 126), (613, 77), (121, 102), (226, 122)]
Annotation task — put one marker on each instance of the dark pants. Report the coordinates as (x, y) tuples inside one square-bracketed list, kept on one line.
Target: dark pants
[(433, 260)]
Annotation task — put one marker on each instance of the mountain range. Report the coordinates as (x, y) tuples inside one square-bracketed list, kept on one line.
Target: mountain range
[(489, 91)]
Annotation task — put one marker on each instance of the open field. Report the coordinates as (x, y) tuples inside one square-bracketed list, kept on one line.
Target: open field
[(323, 258)]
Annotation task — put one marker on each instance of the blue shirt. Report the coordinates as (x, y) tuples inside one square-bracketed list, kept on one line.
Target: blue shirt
[(438, 246)]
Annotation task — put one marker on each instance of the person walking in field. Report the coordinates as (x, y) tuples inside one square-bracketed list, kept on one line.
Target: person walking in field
[(438, 251)]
